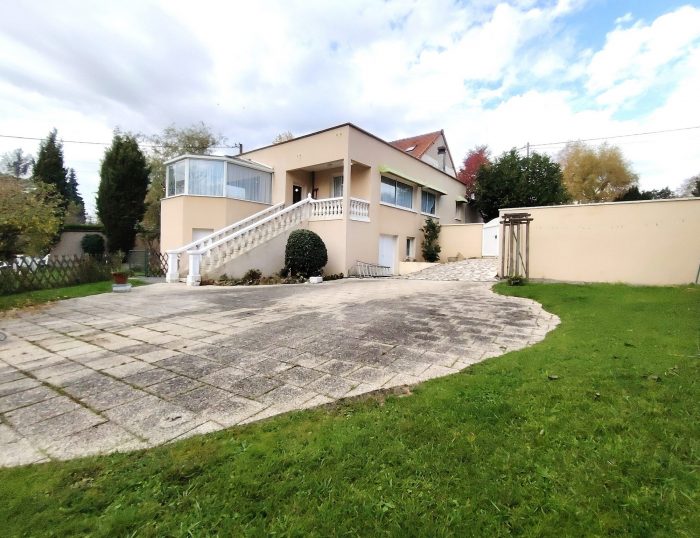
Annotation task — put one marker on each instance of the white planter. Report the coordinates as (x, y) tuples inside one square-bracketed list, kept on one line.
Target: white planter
[(121, 288), (315, 280)]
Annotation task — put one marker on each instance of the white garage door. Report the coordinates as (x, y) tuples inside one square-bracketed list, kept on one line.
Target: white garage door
[(387, 251)]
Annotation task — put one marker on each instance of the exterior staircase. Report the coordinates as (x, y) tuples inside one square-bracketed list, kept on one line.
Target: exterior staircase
[(212, 252), (224, 245)]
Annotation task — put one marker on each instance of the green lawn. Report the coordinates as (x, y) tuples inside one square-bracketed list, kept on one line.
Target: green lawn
[(609, 447), (32, 298)]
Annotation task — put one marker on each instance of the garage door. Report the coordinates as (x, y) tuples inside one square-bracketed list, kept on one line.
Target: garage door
[(387, 251)]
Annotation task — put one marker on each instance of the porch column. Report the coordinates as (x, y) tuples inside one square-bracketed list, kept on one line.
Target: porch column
[(173, 274), (347, 170)]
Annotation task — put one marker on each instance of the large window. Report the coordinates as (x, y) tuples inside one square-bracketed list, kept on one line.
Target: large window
[(396, 193), (176, 178), (206, 177), (248, 184), (428, 202)]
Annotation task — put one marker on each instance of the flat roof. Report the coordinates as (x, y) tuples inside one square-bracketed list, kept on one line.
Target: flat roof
[(363, 131)]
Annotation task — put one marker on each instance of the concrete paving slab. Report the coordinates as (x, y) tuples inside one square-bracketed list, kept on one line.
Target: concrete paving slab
[(168, 362)]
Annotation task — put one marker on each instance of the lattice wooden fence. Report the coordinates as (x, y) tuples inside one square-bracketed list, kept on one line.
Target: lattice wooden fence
[(27, 274), (150, 262)]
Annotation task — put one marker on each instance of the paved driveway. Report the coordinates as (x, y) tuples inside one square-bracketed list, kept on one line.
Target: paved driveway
[(125, 371)]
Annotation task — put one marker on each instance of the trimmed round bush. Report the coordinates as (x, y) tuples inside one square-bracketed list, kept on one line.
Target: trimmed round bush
[(306, 254), (93, 244)]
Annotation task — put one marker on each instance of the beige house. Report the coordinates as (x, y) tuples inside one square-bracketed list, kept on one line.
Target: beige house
[(365, 197)]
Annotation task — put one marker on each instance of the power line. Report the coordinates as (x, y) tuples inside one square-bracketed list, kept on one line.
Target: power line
[(93, 143), (612, 137)]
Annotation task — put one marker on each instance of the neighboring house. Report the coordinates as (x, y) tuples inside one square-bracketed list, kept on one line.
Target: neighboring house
[(365, 197), (431, 148)]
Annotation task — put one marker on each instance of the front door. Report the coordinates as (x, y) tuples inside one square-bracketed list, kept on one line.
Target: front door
[(296, 194), (387, 251)]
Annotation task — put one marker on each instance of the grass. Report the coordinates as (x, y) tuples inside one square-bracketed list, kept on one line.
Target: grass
[(33, 298), (609, 447)]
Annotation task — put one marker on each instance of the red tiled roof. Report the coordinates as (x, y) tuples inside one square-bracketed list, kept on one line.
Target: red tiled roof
[(419, 144)]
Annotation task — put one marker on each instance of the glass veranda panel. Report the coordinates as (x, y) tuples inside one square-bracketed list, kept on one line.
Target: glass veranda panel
[(176, 178), (206, 177), (248, 184)]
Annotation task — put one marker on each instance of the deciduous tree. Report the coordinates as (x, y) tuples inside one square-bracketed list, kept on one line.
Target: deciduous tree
[(120, 198), (635, 194), (197, 139), (515, 181), (475, 159), (284, 136), (690, 187), (595, 174), (16, 163), (29, 217)]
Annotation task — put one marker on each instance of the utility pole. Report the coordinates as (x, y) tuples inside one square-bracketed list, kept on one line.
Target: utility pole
[(527, 150)]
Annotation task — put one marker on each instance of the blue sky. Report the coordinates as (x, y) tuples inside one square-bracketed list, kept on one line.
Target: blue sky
[(501, 73)]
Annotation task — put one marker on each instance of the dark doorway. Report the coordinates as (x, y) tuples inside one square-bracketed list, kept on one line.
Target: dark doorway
[(296, 194)]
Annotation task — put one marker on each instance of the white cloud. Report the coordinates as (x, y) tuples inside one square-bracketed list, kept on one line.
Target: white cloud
[(632, 58), (488, 71)]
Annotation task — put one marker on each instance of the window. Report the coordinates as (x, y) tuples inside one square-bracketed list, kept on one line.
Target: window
[(396, 193), (337, 188), (459, 211), (410, 247), (248, 184), (176, 178), (206, 177), (428, 202)]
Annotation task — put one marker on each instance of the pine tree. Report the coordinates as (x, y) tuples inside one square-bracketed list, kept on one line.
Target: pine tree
[(49, 166), (75, 213), (120, 197)]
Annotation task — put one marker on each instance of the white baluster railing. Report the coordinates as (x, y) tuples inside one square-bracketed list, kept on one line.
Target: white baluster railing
[(359, 209), (327, 209)]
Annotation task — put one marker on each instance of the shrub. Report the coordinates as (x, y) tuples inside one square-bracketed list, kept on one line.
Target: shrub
[(517, 280), (93, 244), (252, 277), (430, 247), (306, 254)]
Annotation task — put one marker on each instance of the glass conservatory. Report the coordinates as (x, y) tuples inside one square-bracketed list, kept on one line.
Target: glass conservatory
[(219, 176)]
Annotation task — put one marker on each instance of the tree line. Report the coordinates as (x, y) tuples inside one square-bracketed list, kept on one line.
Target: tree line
[(40, 196), (580, 174)]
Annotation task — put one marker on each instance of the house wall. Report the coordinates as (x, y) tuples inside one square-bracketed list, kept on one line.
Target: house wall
[(179, 215), (650, 242), (268, 258), (432, 157), (333, 234), (298, 153), (363, 241), (460, 239), (69, 243)]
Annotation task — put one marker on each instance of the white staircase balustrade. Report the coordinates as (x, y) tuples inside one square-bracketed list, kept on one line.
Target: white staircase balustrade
[(224, 245), (173, 274), (227, 248), (359, 209), (327, 209)]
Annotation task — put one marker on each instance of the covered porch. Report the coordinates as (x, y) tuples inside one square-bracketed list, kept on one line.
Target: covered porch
[(334, 196)]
